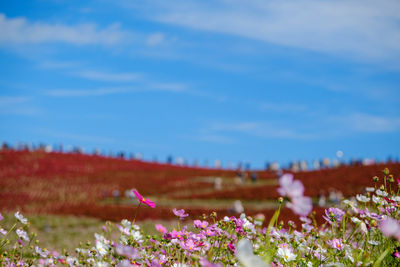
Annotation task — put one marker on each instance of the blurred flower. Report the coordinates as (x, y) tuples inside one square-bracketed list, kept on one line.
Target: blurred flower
[(289, 187), (1, 217), (390, 227), (127, 251), (22, 234), (180, 213), (300, 205), (200, 224), (362, 198), (20, 217), (160, 228), (244, 253), (143, 200)]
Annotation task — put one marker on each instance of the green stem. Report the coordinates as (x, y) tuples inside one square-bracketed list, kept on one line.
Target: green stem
[(137, 209)]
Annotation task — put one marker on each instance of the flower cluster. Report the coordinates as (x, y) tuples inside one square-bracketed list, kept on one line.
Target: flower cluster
[(361, 231)]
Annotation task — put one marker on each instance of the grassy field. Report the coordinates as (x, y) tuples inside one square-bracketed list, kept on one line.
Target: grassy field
[(66, 232)]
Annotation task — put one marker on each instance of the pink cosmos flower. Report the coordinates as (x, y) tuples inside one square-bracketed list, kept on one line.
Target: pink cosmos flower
[(200, 224), (143, 200), (289, 187), (333, 215), (1, 217), (231, 247), (190, 245), (127, 251), (160, 228), (336, 243), (180, 213), (390, 227), (300, 205), (205, 263)]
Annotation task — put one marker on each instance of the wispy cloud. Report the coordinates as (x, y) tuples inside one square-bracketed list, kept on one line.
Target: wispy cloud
[(18, 105), (282, 107), (355, 28), (86, 92), (68, 137), (160, 87), (367, 123), (108, 77), (6, 101), (155, 39), (21, 31), (261, 129), (215, 138)]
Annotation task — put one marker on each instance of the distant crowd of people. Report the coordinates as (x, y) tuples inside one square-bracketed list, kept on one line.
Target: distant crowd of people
[(295, 166)]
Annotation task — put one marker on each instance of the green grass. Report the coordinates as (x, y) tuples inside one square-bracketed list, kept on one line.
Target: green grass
[(66, 232)]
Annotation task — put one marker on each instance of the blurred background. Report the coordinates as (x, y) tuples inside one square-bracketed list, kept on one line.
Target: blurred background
[(214, 100)]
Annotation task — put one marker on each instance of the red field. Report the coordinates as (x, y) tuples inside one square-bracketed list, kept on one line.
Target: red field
[(77, 184)]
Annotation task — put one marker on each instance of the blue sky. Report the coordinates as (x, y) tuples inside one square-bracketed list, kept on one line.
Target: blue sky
[(240, 81)]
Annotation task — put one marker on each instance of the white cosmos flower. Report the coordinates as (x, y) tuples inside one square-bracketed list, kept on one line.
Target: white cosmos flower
[(381, 193), (244, 252), (20, 217), (362, 198), (370, 189), (286, 254), (22, 234)]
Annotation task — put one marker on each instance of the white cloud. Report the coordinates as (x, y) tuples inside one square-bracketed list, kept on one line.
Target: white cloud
[(86, 92), (21, 31), (75, 137), (282, 107), (160, 87), (6, 101), (108, 77), (366, 123), (155, 39), (217, 139), (261, 129), (354, 28), (18, 105)]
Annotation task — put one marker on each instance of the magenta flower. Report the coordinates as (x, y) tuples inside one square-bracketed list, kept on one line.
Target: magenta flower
[(143, 200), (300, 205), (289, 187), (160, 228), (390, 227), (180, 213)]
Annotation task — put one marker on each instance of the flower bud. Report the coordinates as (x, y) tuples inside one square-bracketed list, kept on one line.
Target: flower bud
[(375, 178), (385, 171), (280, 200)]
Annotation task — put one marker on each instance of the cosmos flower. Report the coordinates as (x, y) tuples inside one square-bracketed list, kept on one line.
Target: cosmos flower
[(289, 187), (390, 227), (22, 234), (143, 200), (244, 253), (286, 254), (336, 243), (200, 224), (20, 218), (300, 205), (180, 213), (160, 228), (333, 215)]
